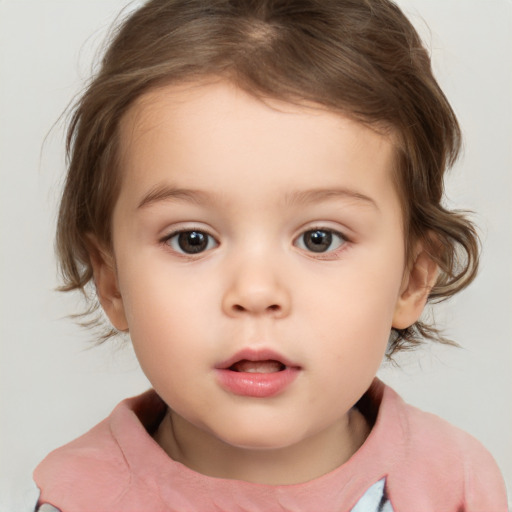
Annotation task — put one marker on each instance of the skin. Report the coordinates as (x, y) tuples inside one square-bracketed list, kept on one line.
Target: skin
[(253, 178)]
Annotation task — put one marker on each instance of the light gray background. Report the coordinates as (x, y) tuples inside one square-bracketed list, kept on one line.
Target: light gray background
[(53, 388)]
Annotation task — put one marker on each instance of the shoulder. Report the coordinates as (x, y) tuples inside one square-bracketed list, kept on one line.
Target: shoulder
[(97, 457), (440, 458), (93, 457), (428, 434)]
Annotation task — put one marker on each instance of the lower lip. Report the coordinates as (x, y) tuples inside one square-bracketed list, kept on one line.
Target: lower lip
[(257, 385)]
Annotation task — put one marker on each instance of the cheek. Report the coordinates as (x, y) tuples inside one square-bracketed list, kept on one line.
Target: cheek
[(158, 304), (153, 289), (356, 314), (351, 347)]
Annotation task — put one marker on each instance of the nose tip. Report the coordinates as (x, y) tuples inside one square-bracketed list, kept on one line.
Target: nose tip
[(256, 295)]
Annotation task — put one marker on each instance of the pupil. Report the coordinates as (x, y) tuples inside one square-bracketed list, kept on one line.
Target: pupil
[(317, 240), (192, 241)]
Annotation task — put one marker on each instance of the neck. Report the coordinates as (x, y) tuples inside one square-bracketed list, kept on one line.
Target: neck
[(311, 458)]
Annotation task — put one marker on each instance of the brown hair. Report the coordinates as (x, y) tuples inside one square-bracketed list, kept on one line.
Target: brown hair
[(362, 58)]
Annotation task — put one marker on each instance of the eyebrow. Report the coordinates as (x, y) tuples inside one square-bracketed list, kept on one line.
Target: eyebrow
[(323, 194), (168, 193)]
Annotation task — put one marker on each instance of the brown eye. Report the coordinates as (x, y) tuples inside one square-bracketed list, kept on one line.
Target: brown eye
[(191, 242), (320, 240)]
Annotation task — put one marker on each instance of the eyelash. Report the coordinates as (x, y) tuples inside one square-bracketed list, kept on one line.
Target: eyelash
[(174, 242)]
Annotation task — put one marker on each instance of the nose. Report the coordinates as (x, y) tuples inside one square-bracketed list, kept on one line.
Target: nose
[(256, 288)]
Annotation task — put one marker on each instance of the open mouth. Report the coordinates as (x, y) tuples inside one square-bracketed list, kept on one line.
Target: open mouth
[(257, 373), (266, 366)]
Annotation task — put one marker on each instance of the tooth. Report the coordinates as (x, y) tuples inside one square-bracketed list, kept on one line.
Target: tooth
[(269, 366)]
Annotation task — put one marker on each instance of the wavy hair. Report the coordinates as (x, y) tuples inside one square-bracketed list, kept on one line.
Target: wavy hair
[(362, 58)]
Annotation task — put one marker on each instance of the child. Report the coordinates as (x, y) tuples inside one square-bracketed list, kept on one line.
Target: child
[(255, 191)]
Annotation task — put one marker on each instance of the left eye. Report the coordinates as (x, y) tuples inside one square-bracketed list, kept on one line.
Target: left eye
[(191, 242), (320, 240)]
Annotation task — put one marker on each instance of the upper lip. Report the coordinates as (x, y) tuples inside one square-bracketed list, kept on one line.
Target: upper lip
[(250, 354)]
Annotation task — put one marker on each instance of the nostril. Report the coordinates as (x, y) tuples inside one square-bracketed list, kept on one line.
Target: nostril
[(273, 307)]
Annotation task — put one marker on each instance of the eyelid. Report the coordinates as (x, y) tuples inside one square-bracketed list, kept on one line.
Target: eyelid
[(324, 226), (183, 227)]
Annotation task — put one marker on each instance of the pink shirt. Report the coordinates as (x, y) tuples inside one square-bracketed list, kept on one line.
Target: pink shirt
[(425, 464)]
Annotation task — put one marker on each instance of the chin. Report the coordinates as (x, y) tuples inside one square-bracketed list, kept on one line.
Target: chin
[(261, 439)]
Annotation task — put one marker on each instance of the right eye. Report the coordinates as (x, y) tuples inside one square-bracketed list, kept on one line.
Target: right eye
[(190, 242)]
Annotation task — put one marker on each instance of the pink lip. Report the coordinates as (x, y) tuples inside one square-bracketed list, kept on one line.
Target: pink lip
[(257, 385)]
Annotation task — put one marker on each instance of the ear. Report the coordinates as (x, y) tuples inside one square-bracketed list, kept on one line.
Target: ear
[(105, 280), (417, 282)]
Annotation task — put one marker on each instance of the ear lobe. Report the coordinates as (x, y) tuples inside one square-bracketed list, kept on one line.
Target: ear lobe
[(417, 283), (105, 280)]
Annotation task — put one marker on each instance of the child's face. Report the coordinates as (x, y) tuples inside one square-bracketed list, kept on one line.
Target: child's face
[(248, 231)]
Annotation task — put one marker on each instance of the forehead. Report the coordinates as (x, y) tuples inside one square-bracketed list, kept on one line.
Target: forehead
[(211, 134)]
